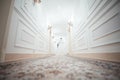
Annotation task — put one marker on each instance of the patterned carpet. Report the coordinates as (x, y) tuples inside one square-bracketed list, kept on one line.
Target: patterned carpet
[(60, 68)]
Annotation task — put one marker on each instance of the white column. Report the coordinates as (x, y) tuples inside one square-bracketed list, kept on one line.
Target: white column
[(50, 32), (69, 37)]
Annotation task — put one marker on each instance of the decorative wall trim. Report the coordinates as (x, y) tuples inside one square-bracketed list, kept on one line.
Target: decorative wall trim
[(90, 16), (24, 17), (107, 17), (32, 19), (107, 6), (95, 6), (114, 57), (93, 2), (24, 31), (114, 39), (101, 28), (102, 14), (101, 7)]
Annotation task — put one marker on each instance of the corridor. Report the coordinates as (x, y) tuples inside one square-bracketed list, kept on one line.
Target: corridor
[(60, 68), (59, 39)]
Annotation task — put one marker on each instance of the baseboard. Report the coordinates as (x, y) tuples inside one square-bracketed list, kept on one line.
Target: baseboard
[(114, 57), (16, 57)]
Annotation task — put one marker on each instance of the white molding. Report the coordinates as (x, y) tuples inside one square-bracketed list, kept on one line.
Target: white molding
[(103, 12), (24, 28), (112, 28), (101, 28)]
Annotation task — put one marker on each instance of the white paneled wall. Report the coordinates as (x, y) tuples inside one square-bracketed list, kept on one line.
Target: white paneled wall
[(100, 30), (26, 34)]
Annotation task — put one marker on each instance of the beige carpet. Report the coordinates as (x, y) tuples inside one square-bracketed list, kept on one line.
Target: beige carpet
[(60, 68)]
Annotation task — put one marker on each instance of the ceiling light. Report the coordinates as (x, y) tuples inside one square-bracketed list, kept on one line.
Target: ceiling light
[(37, 1)]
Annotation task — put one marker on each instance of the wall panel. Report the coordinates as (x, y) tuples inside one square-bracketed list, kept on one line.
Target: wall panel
[(25, 37), (102, 28), (25, 34)]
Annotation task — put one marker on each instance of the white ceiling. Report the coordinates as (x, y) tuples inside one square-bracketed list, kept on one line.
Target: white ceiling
[(58, 13)]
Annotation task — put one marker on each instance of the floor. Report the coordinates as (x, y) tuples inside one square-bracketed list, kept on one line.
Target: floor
[(60, 68)]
